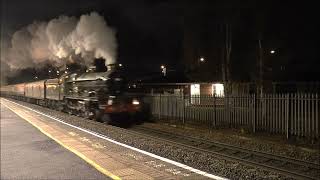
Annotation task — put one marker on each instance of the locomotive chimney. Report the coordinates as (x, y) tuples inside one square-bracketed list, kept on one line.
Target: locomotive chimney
[(100, 65)]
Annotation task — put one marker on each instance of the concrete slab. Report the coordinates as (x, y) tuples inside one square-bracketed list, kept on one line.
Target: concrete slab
[(26, 153)]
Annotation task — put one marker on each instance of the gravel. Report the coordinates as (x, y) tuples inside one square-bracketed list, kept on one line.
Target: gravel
[(274, 145), (202, 161)]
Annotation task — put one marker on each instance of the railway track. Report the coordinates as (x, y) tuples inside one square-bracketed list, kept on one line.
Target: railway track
[(294, 168)]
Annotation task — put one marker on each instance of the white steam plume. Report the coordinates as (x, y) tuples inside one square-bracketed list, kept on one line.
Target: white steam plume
[(57, 41)]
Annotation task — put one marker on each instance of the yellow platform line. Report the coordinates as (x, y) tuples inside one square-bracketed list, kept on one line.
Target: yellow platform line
[(82, 156)]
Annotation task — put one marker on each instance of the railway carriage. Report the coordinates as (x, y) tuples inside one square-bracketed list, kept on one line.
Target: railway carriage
[(35, 92)]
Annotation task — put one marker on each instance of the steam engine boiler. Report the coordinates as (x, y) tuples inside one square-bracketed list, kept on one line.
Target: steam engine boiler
[(101, 95)]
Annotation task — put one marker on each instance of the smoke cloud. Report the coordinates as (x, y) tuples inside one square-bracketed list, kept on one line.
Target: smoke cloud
[(59, 41)]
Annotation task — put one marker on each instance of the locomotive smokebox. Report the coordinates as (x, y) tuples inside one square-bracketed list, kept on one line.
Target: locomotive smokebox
[(111, 67)]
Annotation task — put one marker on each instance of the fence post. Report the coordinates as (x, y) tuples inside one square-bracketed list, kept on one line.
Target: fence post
[(183, 110), (160, 106), (287, 116), (254, 119), (214, 111), (225, 113), (317, 116)]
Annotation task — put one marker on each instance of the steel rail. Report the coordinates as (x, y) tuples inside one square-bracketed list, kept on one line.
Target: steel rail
[(251, 157)]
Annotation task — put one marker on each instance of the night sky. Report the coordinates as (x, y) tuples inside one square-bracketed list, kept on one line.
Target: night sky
[(176, 33)]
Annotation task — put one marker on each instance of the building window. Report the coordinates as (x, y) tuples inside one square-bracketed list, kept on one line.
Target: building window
[(195, 93), (218, 89)]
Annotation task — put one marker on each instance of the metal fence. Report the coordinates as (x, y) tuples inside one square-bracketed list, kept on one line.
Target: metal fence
[(288, 114)]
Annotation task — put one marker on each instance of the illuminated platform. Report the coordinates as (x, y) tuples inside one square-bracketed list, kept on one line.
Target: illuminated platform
[(113, 159), (26, 153)]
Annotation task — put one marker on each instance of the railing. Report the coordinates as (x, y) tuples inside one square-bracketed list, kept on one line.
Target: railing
[(287, 114)]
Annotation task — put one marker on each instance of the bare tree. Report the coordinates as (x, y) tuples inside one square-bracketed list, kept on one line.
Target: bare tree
[(260, 67), (228, 44), (226, 55)]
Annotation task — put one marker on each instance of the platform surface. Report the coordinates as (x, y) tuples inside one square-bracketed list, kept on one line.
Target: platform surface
[(26, 153), (42, 147)]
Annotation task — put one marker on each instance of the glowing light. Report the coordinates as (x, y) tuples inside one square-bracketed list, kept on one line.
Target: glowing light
[(135, 102), (272, 51), (66, 72), (49, 71), (120, 65), (110, 102), (164, 70), (195, 91), (58, 72), (218, 89), (202, 59)]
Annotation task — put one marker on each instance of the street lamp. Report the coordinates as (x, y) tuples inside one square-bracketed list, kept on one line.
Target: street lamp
[(164, 70)]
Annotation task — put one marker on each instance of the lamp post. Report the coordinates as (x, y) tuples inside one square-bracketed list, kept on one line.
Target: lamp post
[(164, 70), (261, 65)]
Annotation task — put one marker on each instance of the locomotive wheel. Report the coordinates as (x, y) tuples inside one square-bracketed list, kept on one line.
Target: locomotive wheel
[(89, 114), (106, 119), (98, 115)]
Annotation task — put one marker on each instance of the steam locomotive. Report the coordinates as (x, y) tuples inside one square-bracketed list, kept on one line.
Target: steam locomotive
[(100, 95)]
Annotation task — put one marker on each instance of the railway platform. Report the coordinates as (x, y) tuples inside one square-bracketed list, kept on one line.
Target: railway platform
[(26, 153), (37, 146)]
